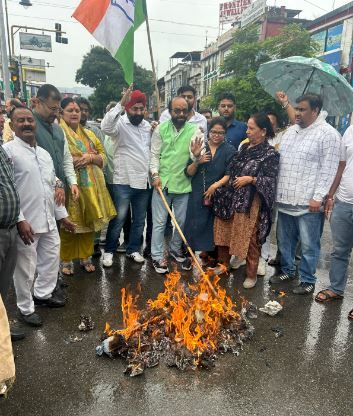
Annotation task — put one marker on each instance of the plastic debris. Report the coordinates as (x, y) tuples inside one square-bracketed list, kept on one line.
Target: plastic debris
[(103, 348), (74, 338), (278, 331), (271, 308), (86, 323)]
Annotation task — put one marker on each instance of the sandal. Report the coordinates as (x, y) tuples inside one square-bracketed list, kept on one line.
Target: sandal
[(87, 265), (350, 315), (67, 268), (325, 296)]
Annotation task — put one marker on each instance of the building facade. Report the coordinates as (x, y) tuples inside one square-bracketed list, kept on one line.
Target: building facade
[(185, 69), (269, 20)]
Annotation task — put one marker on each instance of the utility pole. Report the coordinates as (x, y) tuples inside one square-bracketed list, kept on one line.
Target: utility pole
[(4, 57)]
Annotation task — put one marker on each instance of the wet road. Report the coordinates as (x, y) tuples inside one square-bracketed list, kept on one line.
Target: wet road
[(308, 371)]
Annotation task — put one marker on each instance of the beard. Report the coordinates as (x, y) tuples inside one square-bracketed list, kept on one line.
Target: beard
[(179, 122), (228, 117), (136, 119)]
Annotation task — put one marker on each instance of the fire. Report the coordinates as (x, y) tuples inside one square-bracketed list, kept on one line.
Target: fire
[(188, 322), (194, 321)]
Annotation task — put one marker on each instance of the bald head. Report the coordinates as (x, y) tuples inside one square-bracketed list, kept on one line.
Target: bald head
[(179, 112)]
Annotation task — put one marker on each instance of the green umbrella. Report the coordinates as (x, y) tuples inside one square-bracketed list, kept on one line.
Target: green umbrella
[(297, 75)]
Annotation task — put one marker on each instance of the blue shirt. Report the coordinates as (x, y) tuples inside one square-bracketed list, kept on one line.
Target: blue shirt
[(236, 133)]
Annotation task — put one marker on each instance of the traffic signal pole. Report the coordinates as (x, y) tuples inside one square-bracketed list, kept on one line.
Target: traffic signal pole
[(4, 57), (16, 28)]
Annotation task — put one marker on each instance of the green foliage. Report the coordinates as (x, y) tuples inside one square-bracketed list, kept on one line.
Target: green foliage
[(245, 58), (99, 70), (293, 41)]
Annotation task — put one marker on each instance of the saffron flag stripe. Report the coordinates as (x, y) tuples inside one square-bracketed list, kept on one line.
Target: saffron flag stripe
[(91, 12)]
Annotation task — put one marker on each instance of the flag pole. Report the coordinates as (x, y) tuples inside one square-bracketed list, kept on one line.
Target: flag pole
[(153, 66)]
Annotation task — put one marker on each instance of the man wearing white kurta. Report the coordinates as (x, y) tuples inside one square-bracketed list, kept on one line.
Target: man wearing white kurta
[(38, 242)]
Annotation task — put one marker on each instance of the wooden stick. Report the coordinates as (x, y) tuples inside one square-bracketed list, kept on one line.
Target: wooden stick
[(192, 254), (153, 66)]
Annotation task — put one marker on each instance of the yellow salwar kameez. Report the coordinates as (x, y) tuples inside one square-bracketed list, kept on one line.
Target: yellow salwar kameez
[(94, 208)]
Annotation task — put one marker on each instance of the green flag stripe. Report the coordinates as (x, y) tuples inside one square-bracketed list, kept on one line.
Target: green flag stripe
[(125, 53)]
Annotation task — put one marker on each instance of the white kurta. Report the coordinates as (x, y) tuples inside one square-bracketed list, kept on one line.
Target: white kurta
[(35, 180)]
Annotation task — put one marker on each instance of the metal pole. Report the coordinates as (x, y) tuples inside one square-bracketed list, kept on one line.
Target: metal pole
[(4, 57), (20, 73), (8, 30)]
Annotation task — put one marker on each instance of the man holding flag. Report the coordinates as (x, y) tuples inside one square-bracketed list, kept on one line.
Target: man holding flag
[(131, 138)]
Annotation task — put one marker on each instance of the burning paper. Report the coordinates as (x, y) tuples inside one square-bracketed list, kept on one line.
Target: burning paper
[(186, 326)]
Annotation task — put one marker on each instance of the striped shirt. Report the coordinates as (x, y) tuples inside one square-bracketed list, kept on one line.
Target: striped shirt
[(9, 198), (308, 163)]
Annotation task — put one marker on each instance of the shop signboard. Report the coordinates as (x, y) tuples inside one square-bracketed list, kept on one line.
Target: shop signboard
[(229, 11)]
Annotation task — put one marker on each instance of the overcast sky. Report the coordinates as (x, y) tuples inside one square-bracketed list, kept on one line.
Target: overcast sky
[(167, 37)]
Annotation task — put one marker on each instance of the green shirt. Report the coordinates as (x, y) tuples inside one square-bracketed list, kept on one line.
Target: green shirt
[(174, 156)]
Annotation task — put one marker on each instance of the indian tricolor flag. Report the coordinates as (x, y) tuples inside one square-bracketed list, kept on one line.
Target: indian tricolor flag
[(113, 23)]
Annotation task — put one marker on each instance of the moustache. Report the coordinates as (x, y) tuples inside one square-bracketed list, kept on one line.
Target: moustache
[(28, 129)]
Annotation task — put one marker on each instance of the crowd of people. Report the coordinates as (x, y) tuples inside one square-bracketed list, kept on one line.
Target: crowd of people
[(65, 184)]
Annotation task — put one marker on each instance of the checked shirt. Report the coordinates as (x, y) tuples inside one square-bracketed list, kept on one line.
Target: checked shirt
[(308, 163), (9, 198)]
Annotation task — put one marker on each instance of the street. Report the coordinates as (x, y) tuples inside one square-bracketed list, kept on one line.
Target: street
[(306, 371)]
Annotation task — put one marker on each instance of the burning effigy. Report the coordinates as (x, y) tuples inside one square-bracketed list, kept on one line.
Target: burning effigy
[(188, 326)]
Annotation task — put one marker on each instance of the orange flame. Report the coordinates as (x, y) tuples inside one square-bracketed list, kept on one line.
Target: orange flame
[(192, 314)]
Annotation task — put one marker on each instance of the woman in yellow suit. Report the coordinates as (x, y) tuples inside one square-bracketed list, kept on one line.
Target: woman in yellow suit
[(94, 207)]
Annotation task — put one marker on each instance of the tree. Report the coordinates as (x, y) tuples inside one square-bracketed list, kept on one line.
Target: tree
[(99, 70), (245, 58)]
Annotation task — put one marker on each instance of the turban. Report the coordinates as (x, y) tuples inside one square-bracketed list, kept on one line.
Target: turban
[(136, 97)]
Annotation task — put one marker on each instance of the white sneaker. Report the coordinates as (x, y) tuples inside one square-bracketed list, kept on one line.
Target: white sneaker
[(261, 269), (235, 263), (136, 256), (107, 259)]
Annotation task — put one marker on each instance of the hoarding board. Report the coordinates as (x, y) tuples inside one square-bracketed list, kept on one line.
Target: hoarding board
[(320, 38), (35, 42), (334, 36), (253, 12), (333, 59)]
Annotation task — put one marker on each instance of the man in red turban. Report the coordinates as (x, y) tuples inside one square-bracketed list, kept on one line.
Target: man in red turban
[(135, 98), (131, 137)]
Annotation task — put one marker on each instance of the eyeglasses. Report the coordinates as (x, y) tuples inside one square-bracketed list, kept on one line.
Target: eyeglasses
[(217, 133), (179, 111), (53, 109)]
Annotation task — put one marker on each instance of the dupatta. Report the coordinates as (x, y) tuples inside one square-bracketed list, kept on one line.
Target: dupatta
[(94, 207)]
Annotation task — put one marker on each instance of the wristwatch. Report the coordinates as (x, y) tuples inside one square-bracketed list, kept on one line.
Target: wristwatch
[(59, 184)]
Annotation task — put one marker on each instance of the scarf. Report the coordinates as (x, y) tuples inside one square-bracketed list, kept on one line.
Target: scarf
[(262, 162)]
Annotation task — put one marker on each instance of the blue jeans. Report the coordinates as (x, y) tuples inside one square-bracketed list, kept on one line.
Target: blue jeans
[(306, 229), (179, 203), (342, 241), (123, 196)]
